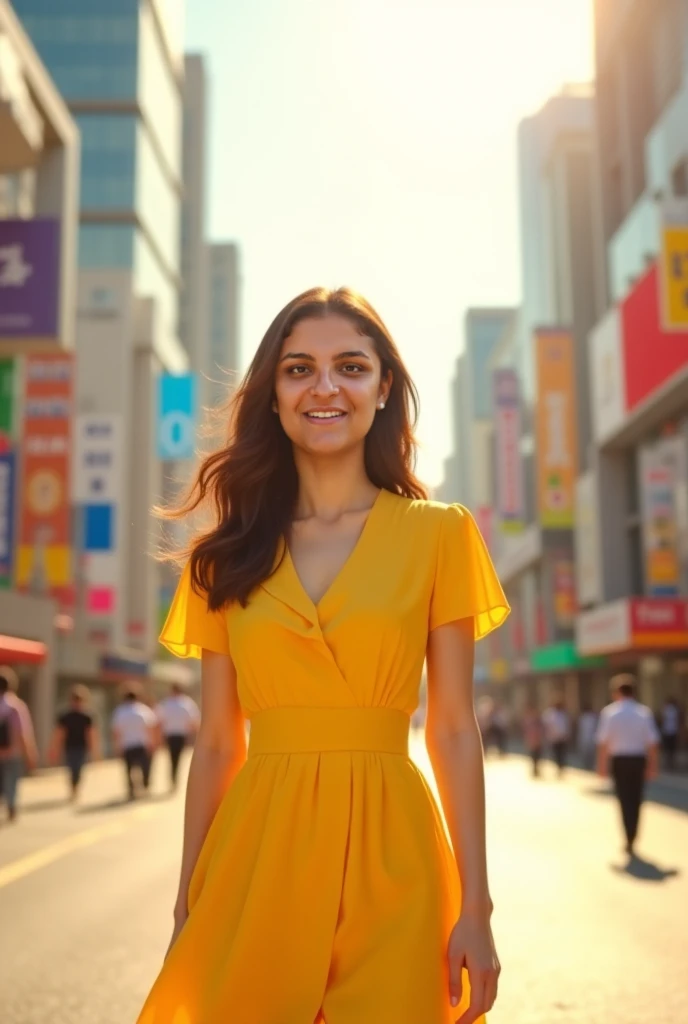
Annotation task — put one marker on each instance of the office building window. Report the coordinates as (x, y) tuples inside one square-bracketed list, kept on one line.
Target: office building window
[(91, 54), (106, 246), (108, 158)]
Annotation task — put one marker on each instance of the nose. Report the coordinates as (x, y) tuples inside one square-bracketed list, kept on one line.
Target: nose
[(323, 385)]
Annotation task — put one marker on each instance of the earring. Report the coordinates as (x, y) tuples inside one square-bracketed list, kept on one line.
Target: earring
[(381, 404), (274, 407)]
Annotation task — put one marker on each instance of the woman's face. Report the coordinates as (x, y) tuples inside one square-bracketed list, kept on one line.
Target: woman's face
[(328, 387)]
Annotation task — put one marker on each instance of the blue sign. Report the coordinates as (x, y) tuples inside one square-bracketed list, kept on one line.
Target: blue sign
[(8, 473), (177, 412)]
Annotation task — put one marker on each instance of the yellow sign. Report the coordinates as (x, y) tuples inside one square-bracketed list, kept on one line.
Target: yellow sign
[(674, 277), (557, 448)]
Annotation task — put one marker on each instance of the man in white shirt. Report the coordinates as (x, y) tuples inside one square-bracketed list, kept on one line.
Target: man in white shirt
[(135, 736), (179, 717), (627, 745)]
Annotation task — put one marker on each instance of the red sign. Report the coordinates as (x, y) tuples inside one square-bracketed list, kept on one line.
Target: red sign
[(651, 354), (659, 622), (44, 555), (636, 623)]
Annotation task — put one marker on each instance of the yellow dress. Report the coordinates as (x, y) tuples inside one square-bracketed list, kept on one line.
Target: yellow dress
[(326, 889)]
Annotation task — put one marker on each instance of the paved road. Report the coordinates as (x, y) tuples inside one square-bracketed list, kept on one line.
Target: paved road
[(85, 899)]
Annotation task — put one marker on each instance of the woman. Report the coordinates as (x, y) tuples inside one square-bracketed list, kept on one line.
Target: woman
[(317, 883)]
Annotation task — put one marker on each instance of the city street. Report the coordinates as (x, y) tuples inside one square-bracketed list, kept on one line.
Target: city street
[(86, 897)]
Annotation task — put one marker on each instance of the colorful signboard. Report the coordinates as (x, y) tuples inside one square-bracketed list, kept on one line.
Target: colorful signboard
[(661, 475), (177, 416), (507, 419), (557, 459), (29, 278), (564, 590), (44, 549), (588, 556), (673, 281), (8, 403), (96, 487), (651, 354), (633, 623)]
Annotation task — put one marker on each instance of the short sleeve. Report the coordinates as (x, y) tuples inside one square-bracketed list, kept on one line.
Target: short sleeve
[(466, 584), (602, 734), (190, 626)]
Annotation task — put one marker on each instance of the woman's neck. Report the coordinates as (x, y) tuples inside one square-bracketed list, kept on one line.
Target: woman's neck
[(330, 487)]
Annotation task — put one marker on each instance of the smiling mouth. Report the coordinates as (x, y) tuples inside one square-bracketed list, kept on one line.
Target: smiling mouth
[(325, 415)]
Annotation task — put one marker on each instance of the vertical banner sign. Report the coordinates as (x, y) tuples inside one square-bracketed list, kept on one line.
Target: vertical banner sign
[(659, 478), (7, 403), (177, 415), (507, 415), (8, 471), (673, 280), (96, 489), (557, 456), (564, 587), (29, 278), (44, 553)]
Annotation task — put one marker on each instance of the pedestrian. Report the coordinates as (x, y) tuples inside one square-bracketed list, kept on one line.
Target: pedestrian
[(627, 747), (533, 736), (587, 730), (670, 728), (178, 716), (17, 744), (501, 721), (325, 887), (29, 757), (558, 732), (75, 738), (135, 734)]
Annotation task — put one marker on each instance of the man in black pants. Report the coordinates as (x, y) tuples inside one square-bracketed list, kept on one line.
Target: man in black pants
[(179, 718), (627, 746)]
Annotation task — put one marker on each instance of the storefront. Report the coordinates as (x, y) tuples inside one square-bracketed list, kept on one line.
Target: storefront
[(647, 636)]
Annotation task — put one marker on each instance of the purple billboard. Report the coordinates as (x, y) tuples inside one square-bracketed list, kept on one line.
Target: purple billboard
[(29, 278)]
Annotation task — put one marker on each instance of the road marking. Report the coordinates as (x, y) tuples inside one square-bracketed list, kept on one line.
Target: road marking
[(34, 861)]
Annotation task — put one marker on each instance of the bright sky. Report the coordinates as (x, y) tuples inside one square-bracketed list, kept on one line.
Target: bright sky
[(373, 144)]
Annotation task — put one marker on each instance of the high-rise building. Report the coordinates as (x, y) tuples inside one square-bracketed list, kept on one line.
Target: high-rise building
[(120, 68), (39, 189), (563, 293), (632, 514), (193, 308), (224, 355)]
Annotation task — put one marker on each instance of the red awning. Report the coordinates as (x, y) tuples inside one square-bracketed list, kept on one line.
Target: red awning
[(15, 649)]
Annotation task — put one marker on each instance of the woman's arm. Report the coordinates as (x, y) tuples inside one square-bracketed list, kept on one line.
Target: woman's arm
[(456, 754), (219, 753)]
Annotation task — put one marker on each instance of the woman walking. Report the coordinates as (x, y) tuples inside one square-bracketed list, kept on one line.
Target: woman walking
[(317, 882)]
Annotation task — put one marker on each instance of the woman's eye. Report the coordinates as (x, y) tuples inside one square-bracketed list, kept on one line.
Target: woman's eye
[(352, 368), (297, 371)]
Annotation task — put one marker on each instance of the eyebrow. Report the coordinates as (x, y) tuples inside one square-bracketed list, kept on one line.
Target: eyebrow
[(355, 354)]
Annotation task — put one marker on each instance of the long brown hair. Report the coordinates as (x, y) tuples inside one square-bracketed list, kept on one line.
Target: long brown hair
[(250, 485)]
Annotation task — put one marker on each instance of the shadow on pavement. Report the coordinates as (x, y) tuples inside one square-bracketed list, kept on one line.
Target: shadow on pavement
[(655, 793), (645, 870), (119, 803), (45, 805)]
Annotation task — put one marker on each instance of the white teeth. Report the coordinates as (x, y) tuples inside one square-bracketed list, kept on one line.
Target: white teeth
[(324, 415)]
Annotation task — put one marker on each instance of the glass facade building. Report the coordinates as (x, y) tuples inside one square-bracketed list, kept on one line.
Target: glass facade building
[(119, 67)]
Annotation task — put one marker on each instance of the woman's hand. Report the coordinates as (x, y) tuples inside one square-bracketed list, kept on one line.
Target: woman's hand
[(471, 946)]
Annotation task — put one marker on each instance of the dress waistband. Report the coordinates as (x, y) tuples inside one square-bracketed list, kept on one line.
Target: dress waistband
[(315, 730)]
